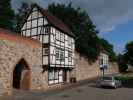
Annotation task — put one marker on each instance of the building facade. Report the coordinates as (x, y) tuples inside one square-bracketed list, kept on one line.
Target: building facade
[(44, 56), (103, 60), (85, 70), (57, 43)]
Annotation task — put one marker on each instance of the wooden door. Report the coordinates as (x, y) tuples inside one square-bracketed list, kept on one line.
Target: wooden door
[(64, 76), (26, 80)]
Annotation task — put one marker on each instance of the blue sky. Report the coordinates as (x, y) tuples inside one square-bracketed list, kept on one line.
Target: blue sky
[(113, 18), (121, 35)]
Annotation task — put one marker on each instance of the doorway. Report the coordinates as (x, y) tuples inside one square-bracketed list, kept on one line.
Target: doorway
[(21, 75), (64, 75)]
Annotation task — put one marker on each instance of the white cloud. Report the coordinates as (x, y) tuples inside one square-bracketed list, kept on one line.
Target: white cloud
[(106, 14), (119, 48)]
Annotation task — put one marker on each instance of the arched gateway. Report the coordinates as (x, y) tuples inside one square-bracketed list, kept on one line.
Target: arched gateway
[(22, 75), (20, 63)]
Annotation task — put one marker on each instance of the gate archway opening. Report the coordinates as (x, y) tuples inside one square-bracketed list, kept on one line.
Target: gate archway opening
[(22, 75)]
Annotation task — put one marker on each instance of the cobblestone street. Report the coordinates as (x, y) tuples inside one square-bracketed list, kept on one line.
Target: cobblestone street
[(82, 92)]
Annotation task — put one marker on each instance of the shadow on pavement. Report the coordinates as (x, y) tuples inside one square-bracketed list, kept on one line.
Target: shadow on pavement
[(104, 87), (127, 85)]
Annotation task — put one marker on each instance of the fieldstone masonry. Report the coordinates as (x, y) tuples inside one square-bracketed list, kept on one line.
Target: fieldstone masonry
[(14, 48), (10, 54), (84, 70)]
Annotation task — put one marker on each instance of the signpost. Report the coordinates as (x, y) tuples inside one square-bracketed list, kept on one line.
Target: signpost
[(103, 67)]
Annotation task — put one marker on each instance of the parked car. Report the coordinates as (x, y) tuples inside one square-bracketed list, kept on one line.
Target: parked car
[(109, 81)]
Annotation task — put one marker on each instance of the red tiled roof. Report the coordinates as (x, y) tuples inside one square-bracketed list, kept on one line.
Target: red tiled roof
[(8, 35), (55, 21)]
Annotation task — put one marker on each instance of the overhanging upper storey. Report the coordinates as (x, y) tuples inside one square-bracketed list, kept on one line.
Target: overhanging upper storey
[(57, 39)]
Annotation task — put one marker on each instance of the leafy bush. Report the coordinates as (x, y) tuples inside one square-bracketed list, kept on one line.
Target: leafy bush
[(126, 80)]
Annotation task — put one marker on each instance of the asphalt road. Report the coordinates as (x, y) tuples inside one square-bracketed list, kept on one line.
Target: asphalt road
[(83, 92)]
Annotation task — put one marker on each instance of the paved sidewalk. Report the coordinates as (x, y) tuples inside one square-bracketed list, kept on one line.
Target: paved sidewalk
[(79, 91)]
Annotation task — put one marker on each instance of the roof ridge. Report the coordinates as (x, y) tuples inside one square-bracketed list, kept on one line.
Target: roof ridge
[(55, 21)]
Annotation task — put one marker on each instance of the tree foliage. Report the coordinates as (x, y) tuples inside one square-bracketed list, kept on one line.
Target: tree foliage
[(87, 41), (127, 58), (109, 48), (122, 63), (6, 14), (20, 16), (129, 53)]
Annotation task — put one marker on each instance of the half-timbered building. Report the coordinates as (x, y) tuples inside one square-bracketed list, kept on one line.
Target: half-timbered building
[(57, 43)]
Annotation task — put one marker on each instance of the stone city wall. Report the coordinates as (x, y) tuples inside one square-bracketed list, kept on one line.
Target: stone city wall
[(10, 55), (84, 70)]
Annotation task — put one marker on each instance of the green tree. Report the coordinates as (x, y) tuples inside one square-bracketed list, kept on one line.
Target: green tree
[(87, 41), (109, 48), (122, 63), (129, 53), (6, 14), (21, 15), (127, 58)]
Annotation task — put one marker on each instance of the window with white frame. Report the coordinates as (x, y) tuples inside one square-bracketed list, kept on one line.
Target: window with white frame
[(69, 41), (62, 37), (57, 35), (103, 60), (45, 51), (69, 56), (60, 54), (47, 30), (51, 75), (53, 30), (57, 54), (55, 76)]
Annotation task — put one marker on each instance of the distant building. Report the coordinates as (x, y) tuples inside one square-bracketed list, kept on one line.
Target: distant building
[(130, 68), (103, 60), (85, 70)]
